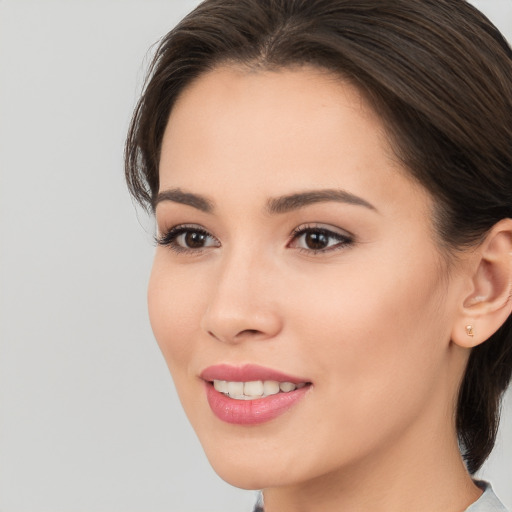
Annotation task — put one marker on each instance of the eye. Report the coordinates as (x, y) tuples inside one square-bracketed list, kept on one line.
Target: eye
[(314, 239), (187, 239)]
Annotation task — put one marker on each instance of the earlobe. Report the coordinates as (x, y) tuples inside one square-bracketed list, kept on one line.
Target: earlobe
[(489, 303)]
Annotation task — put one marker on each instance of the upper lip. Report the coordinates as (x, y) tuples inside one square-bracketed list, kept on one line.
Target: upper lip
[(247, 373)]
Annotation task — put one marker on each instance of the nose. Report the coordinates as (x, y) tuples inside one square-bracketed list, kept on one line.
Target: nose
[(242, 304)]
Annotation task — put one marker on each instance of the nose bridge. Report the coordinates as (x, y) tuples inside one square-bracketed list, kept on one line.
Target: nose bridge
[(241, 304)]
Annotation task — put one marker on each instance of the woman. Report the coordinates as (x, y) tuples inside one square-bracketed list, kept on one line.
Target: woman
[(331, 290)]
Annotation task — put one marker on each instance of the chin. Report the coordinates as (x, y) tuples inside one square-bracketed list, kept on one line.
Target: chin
[(249, 475), (245, 480), (250, 469)]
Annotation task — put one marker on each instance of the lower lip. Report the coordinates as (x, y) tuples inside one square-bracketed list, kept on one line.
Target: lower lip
[(251, 412)]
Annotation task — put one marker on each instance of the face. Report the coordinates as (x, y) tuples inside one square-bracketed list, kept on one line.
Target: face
[(297, 256)]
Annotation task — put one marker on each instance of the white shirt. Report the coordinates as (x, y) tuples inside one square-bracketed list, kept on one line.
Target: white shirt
[(488, 502)]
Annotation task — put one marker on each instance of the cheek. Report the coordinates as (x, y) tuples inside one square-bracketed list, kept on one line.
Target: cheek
[(377, 333), (173, 304)]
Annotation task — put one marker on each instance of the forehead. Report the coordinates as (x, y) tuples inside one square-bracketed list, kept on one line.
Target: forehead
[(298, 91), (245, 136), (301, 112)]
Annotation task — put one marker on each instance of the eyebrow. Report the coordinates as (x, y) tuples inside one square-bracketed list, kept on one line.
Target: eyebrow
[(177, 195), (276, 205), (300, 200)]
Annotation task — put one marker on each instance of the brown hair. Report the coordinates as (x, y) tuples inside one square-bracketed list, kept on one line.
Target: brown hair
[(437, 71)]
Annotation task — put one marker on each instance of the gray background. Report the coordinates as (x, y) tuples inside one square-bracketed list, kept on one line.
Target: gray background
[(89, 420)]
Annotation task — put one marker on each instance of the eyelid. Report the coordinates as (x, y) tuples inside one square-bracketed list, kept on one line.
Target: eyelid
[(167, 238), (344, 237)]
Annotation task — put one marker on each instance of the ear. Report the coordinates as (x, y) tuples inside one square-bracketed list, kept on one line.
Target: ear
[(489, 302)]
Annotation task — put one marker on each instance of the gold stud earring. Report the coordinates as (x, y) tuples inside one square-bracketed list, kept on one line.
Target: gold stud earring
[(469, 330)]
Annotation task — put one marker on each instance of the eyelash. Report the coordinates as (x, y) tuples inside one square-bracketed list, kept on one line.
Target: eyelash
[(343, 240), (170, 237)]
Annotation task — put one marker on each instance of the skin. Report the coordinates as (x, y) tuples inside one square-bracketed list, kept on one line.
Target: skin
[(368, 322)]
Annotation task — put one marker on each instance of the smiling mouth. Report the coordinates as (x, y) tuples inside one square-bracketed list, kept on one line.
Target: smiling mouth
[(251, 394), (254, 390)]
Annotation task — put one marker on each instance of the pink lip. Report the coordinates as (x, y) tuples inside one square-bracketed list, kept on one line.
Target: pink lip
[(246, 373), (249, 412)]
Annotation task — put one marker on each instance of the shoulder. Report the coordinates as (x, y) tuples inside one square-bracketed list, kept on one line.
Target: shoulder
[(488, 502)]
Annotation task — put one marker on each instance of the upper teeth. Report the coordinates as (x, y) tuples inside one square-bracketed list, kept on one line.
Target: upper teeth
[(254, 389)]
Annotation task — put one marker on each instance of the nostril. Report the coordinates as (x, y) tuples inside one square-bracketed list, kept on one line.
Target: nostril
[(239, 336), (248, 333), (212, 334)]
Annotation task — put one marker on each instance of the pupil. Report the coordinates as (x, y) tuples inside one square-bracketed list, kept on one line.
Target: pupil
[(317, 240), (194, 240)]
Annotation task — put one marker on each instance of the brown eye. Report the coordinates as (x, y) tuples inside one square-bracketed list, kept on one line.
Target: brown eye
[(188, 238), (319, 240), (316, 240), (195, 239)]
